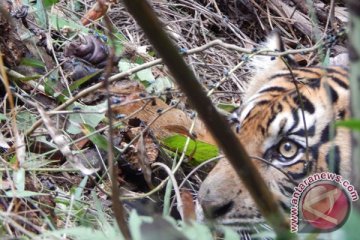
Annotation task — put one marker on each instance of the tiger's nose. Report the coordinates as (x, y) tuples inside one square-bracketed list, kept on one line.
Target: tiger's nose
[(213, 210)]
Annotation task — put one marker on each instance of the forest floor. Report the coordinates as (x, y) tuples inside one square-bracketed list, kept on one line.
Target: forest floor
[(55, 165)]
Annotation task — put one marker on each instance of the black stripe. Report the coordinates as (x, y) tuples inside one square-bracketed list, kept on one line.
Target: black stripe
[(341, 114), (288, 189), (333, 95), (262, 130), (308, 106), (282, 128), (314, 83), (301, 132), (262, 102), (340, 82), (297, 176), (333, 70), (309, 70), (333, 160), (273, 89), (285, 207), (325, 135), (296, 120), (314, 151), (287, 74), (270, 120)]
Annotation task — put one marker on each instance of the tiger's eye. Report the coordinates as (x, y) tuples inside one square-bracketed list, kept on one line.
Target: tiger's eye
[(288, 149)]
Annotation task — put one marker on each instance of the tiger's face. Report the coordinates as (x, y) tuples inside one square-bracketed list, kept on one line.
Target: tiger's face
[(271, 128)]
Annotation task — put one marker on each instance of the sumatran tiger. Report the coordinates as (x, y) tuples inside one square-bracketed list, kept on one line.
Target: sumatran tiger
[(270, 125)]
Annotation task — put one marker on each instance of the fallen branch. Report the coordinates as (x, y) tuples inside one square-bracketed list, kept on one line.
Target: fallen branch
[(216, 124)]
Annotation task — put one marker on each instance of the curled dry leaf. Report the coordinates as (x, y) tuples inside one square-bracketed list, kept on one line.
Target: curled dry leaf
[(89, 48), (96, 11), (172, 122)]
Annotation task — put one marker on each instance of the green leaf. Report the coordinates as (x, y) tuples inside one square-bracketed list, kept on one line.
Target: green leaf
[(125, 65), (149, 228), (353, 124), (229, 233), (92, 119), (144, 76), (3, 117), (25, 120), (265, 234), (80, 188), (204, 151), (52, 85), (99, 210), (41, 14), (49, 3), (197, 231), (326, 60), (75, 85), (96, 138), (227, 107), (135, 222), (118, 43), (160, 85), (351, 227), (58, 22), (28, 78), (31, 62), (84, 233)]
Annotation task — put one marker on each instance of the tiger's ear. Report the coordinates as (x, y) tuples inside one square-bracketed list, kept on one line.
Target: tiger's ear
[(274, 41), (261, 63), (263, 66)]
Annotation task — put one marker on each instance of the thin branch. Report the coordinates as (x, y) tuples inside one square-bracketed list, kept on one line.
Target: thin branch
[(216, 124), (131, 71), (195, 170), (175, 185), (117, 206)]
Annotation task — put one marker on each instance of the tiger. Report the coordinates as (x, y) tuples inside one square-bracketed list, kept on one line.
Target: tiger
[(270, 125)]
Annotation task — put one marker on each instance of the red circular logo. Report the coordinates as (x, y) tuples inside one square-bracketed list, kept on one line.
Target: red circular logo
[(325, 206)]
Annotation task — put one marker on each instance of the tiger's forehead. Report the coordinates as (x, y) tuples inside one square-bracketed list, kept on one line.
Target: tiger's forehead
[(266, 98), (309, 89)]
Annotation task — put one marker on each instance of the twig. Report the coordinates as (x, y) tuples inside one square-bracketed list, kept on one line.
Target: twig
[(195, 170), (19, 143), (176, 168), (131, 71), (175, 185), (117, 206), (216, 124)]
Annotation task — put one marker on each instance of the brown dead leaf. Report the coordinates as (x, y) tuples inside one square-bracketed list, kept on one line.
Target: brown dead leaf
[(174, 121), (143, 160), (97, 11), (188, 206)]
